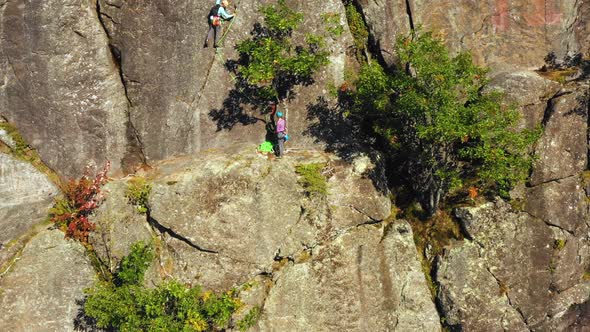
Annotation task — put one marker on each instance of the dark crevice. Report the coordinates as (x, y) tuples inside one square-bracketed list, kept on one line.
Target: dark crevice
[(551, 181), (549, 109), (165, 230), (409, 12), (135, 154)]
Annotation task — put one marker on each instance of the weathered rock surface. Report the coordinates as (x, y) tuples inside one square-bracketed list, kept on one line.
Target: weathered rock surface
[(527, 90), (563, 148), (499, 33), (61, 87), (25, 197), (118, 226), (183, 99), (368, 279), (561, 203), (39, 293), (510, 266), (239, 211)]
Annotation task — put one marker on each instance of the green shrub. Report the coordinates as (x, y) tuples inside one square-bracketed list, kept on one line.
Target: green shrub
[(559, 244), (250, 319), (127, 305), (359, 31), (444, 128), (332, 22), (138, 191), (271, 61), (312, 180)]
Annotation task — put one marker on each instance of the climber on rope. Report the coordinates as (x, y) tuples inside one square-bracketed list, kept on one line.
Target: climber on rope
[(216, 15)]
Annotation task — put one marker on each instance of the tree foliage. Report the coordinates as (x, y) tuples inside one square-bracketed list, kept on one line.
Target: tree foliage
[(125, 304), (272, 60), (435, 113)]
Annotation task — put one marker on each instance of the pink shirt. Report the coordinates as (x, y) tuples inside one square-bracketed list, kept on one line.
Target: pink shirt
[(280, 125)]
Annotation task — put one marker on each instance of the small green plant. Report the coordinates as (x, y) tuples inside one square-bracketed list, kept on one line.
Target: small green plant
[(586, 276), (81, 198), (332, 22), (359, 31), (250, 319), (125, 304), (559, 244), (23, 151), (138, 191), (312, 180)]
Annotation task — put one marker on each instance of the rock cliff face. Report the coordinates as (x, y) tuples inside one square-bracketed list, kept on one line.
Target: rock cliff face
[(87, 81), (321, 263)]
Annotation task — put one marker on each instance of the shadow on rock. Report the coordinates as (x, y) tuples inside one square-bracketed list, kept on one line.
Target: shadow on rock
[(344, 137), (82, 322)]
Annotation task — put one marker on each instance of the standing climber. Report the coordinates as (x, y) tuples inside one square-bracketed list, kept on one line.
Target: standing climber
[(216, 15), (281, 133)]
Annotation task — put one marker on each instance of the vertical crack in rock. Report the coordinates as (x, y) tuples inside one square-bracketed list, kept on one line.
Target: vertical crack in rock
[(549, 110), (409, 13), (517, 309), (135, 148)]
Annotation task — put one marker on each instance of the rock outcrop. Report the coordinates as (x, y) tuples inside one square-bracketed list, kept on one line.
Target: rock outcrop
[(25, 197), (61, 86), (499, 33), (40, 291), (226, 219), (354, 283), (509, 276)]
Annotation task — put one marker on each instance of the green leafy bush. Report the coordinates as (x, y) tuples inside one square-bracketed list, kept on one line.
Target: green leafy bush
[(312, 180), (250, 319), (436, 117), (272, 62), (359, 31), (127, 305), (138, 191), (332, 22)]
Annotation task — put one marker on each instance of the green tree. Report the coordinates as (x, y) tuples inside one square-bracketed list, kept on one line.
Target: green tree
[(435, 113), (272, 61)]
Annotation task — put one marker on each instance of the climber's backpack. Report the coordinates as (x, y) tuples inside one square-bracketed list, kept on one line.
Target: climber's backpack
[(214, 15)]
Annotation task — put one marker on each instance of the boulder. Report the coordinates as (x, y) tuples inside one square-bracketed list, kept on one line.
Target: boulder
[(25, 197), (62, 88), (527, 90), (563, 148), (368, 279), (41, 290)]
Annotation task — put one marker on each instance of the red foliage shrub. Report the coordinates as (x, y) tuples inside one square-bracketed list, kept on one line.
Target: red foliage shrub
[(81, 197)]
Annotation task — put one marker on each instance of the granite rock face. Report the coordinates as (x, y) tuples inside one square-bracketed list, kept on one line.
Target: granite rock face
[(354, 283), (245, 209), (61, 86), (39, 293), (563, 148), (25, 197), (494, 271), (118, 226), (499, 33), (182, 97)]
